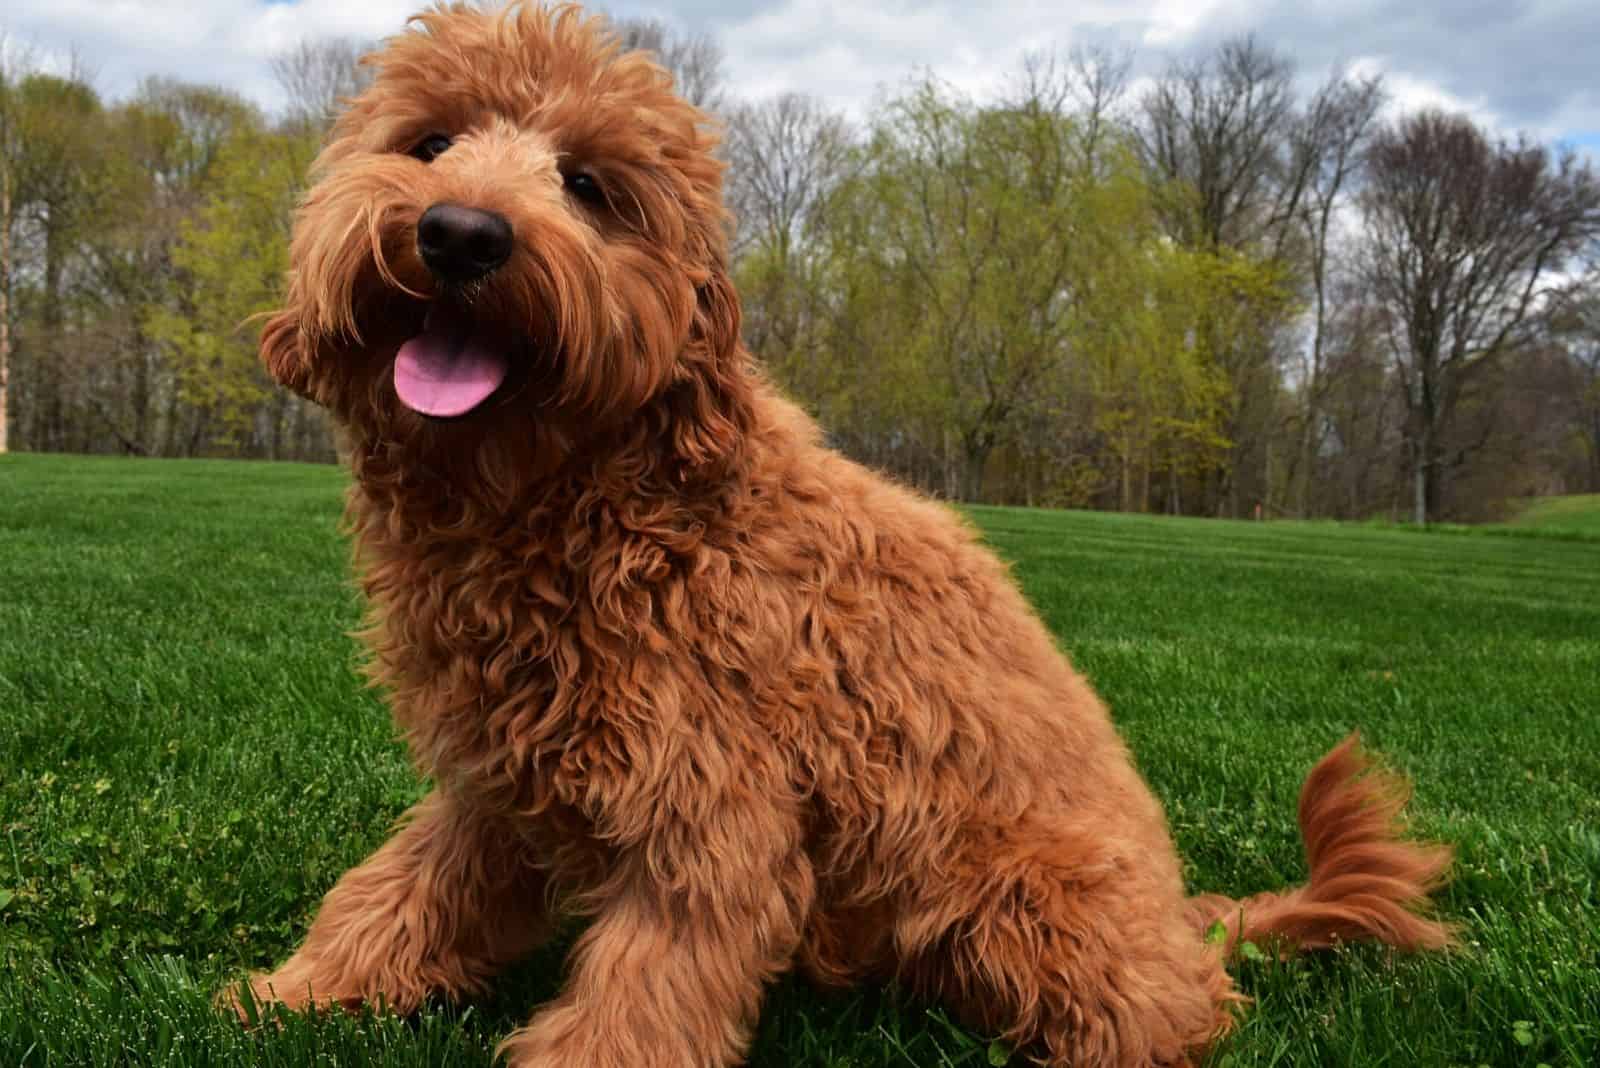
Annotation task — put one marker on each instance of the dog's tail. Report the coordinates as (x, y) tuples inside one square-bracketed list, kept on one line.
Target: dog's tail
[(1367, 883)]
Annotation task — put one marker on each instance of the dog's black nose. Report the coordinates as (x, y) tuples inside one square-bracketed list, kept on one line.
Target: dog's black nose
[(460, 244)]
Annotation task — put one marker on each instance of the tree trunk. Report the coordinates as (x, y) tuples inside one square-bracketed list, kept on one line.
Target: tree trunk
[(952, 490), (1420, 489), (5, 302), (172, 436), (280, 413), (1307, 461), (140, 393), (1265, 500), (977, 458), (976, 447), (1594, 454), (47, 362)]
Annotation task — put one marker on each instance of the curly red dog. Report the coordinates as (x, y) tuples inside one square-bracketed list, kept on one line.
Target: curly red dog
[(676, 667)]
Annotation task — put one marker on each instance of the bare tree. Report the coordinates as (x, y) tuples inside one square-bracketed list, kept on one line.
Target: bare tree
[(695, 60), (317, 76), (1090, 83), (1326, 143), (784, 156), (1356, 463), (1576, 325), (1218, 125), (1464, 237)]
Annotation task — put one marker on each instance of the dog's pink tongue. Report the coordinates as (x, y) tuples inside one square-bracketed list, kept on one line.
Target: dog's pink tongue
[(447, 370)]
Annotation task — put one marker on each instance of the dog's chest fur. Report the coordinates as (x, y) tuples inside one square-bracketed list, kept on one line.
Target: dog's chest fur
[(577, 670), (606, 676)]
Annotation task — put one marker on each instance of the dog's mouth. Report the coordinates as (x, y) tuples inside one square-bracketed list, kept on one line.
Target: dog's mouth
[(452, 367)]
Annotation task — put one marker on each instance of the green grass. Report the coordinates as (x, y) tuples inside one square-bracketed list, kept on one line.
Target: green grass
[(1579, 514), (188, 761)]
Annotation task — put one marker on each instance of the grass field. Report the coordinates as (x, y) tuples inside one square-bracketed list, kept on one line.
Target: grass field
[(187, 762), (1578, 514)]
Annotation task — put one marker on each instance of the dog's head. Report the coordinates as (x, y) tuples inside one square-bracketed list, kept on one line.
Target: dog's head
[(514, 234)]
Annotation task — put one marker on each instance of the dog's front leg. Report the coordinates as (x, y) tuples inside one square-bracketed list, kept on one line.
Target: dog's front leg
[(443, 905), (694, 923)]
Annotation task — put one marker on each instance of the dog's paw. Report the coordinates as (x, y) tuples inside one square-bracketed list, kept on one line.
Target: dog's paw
[(259, 998), (565, 1036), (248, 1000), (544, 1044)]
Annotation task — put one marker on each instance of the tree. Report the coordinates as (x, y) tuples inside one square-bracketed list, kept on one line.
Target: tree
[(963, 222), (1089, 84), (179, 133), (1463, 239), (317, 76), (1217, 131), (1326, 144), (13, 68), (695, 60), (204, 117), (1577, 326), (233, 257), (58, 122), (1158, 397), (996, 264), (1357, 466), (786, 156), (1218, 125)]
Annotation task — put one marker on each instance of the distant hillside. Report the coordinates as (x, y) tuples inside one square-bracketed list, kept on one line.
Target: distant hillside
[(1578, 513)]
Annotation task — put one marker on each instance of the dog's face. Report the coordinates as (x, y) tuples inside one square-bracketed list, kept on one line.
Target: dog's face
[(515, 231)]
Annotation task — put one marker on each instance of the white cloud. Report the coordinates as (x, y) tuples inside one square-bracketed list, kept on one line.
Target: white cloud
[(1172, 22), (1516, 66), (1408, 93), (224, 41)]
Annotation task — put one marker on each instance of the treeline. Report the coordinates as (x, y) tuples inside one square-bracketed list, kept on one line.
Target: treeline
[(1214, 296), (137, 240)]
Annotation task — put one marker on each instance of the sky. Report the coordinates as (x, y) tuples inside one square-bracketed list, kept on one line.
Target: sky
[(1514, 65)]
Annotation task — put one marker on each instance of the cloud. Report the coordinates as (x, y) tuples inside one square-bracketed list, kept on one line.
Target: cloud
[(1516, 64), (227, 42)]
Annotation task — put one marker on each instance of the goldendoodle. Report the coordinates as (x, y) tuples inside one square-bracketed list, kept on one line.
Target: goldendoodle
[(674, 666)]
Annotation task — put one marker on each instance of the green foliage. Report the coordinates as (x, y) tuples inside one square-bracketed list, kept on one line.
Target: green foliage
[(969, 247), (188, 760), (142, 237), (56, 124), (1159, 396), (991, 277), (233, 257)]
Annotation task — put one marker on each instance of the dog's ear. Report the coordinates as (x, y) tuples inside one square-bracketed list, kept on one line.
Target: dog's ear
[(713, 400), (283, 351), (717, 317)]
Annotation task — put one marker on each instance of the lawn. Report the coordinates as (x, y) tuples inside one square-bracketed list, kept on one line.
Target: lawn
[(1577, 514), (188, 761)]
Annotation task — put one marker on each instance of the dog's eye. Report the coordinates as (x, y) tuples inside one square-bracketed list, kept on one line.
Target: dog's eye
[(431, 147), (586, 188)]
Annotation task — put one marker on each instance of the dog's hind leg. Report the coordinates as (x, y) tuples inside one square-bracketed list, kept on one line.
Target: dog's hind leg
[(1074, 947), (446, 903)]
